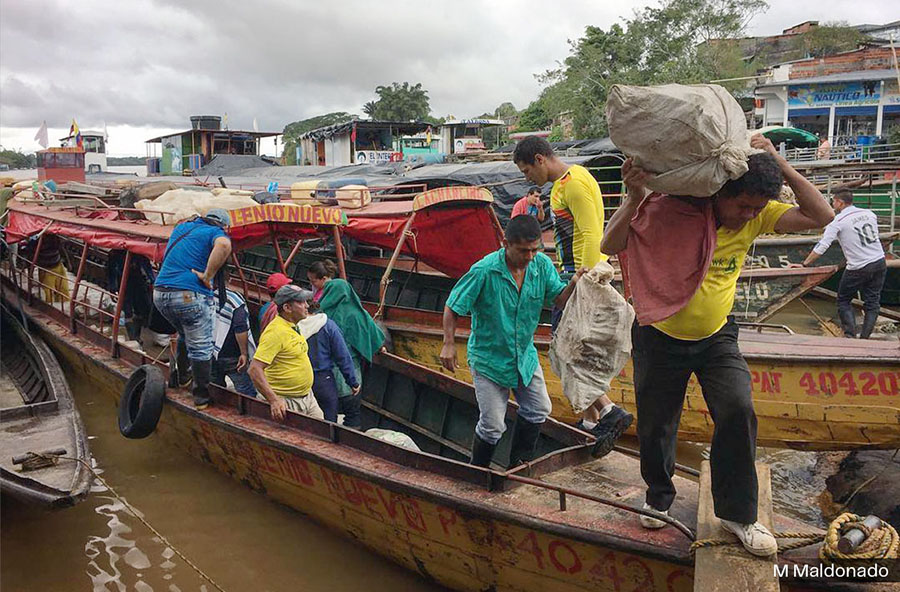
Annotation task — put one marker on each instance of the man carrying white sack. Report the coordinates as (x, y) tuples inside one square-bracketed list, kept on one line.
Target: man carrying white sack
[(702, 338)]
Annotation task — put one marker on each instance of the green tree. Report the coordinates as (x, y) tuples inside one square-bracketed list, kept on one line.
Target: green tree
[(293, 131), (369, 108), (401, 102), (17, 160), (506, 109), (685, 41), (831, 38), (534, 117)]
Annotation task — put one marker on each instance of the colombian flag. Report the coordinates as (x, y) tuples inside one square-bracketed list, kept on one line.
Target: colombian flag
[(74, 131)]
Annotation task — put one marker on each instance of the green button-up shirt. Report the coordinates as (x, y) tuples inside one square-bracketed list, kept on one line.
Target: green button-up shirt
[(501, 345)]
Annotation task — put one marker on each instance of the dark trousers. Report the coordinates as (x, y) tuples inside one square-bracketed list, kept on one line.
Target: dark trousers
[(224, 366), (326, 393), (662, 367), (868, 281), (349, 406)]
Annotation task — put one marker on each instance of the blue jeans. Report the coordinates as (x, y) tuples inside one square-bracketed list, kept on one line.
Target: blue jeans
[(534, 404), (228, 367), (192, 314)]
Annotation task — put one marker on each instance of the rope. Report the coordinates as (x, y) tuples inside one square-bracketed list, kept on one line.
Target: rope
[(881, 543), (137, 514), (804, 539)]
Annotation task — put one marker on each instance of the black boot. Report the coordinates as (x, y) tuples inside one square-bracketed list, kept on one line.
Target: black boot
[(201, 370), (524, 442), (482, 452), (133, 330), (181, 377)]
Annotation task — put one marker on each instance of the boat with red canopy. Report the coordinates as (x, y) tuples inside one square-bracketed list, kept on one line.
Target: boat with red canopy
[(562, 521)]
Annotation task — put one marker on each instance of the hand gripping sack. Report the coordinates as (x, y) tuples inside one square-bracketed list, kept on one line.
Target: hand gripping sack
[(593, 340), (693, 137)]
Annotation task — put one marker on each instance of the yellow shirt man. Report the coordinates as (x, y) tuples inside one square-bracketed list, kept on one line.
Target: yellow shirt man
[(576, 204), (289, 371), (708, 310)]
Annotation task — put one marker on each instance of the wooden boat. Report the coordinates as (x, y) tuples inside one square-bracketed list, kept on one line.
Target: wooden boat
[(791, 412), (810, 393), (561, 522), (38, 415)]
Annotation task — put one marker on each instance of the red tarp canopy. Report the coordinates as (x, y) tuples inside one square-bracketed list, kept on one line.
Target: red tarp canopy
[(107, 229), (453, 227)]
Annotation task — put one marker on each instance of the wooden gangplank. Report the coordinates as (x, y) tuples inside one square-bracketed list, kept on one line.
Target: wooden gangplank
[(730, 568)]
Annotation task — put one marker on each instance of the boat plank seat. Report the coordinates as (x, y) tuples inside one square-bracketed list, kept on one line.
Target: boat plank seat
[(814, 347), (730, 568)]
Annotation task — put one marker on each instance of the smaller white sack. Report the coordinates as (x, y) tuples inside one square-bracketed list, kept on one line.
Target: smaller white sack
[(593, 340)]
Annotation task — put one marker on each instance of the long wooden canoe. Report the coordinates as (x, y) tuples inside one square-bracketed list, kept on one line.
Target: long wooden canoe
[(563, 522), (38, 415), (810, 393)]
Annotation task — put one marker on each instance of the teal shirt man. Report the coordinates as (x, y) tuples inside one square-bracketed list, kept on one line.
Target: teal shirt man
[(504, 318), (505, 293)]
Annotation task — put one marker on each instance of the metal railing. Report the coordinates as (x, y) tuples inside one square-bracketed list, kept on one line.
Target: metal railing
[(847, 152)]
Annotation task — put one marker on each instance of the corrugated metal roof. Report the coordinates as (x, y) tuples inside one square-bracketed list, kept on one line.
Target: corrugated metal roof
[(858, 75)]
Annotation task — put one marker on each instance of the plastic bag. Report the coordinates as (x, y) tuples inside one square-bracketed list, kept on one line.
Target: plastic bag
[(593, 340), (693, 137)]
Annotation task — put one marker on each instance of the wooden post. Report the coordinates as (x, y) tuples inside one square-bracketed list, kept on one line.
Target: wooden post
[(277, 251), (75, 287), (114, 346), (294, 251), (386, 278), (498, 228), (37, 251), (731, 568), (234, 261), (339, 252)]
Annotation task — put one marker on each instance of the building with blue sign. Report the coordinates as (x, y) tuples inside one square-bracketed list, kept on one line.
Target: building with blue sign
[(851, 97)]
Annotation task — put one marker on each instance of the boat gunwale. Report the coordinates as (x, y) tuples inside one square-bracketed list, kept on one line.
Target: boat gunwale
[(477, 508)]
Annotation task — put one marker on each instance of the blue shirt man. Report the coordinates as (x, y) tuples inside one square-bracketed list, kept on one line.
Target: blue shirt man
[(197, 249)]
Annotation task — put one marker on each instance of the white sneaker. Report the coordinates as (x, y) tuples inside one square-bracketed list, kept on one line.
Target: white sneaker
[(755, 537), (653, 523)]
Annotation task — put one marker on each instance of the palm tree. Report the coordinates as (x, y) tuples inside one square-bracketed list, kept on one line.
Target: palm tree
[(369, 109)]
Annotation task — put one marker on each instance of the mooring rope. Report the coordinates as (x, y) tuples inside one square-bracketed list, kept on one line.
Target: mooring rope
[(38, 456), (881, 543)]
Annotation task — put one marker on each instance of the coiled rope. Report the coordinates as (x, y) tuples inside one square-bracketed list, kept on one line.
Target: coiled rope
[(52, 459)]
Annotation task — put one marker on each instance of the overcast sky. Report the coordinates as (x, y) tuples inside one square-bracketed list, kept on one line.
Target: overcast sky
[(143, 67)]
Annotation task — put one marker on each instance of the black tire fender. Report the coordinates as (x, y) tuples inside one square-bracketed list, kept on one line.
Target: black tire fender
[(142, 401)]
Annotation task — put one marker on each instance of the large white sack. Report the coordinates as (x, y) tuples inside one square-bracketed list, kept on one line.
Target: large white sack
[(184, 203), (693, 137), (593, 340)]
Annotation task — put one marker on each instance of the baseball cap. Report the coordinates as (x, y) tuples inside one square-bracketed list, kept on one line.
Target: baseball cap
[(275, 281), (220, 216), (290, 293)]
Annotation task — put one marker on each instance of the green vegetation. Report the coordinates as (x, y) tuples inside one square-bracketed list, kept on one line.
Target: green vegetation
[(293, 131), (684, 41), (126, 160), (399, 102), (830, 38), (17, 160)]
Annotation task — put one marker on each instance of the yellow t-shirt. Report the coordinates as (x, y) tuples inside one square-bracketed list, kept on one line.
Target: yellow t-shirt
[(576, 205), (289, 371), (708, 310)]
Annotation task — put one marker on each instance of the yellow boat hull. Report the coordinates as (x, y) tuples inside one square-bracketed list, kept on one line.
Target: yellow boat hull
[(800, 404)]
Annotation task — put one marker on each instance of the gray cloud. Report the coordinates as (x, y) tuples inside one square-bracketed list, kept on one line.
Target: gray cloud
[(155, 62)]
